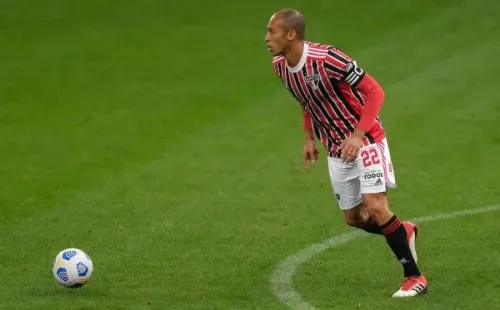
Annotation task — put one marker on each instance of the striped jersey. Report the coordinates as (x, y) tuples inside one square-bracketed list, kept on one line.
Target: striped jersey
[(324, 83)]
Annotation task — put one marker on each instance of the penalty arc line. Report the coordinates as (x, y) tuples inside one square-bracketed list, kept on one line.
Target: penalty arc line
[(281, 278)]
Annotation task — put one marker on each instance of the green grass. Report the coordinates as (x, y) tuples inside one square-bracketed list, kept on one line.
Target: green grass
[(155, 136)]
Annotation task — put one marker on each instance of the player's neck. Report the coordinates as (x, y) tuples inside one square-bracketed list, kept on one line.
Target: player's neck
[(295, 53)]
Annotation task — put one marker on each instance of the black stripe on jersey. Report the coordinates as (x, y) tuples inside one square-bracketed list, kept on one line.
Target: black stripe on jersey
[(317, 133), (290, 88), (286, 80), (356, 94), (298, 87), (330, 67), (339, 93), (334, 106), (370, 138), (329, 142), (331, 121), (279, 70), (339, 57), (317, 121)]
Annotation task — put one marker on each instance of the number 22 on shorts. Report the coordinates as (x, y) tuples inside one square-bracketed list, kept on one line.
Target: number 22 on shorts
[(370, 157)]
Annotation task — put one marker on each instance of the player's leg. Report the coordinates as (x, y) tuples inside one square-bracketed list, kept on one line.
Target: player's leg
[(359, 217), (356, 216), (346, 186), (375, 174)]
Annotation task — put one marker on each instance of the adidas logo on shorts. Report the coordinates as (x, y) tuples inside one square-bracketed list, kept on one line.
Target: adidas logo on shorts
[(379, 182)]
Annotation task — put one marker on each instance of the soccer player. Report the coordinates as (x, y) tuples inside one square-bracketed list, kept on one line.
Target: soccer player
[(340, 105)]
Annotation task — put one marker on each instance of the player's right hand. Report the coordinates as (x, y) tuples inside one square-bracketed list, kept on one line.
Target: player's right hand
[(310, 154)]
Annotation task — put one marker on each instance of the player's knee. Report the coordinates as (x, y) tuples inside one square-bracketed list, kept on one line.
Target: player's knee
[(356, 219), (355, 222), (376, 205)]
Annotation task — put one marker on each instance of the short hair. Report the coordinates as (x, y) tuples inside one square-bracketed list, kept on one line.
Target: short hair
[(294, 20)]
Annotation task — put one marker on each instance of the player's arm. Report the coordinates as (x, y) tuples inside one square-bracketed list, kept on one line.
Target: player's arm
[(374, 98), (342, 68), (307, 123), (310, 152)]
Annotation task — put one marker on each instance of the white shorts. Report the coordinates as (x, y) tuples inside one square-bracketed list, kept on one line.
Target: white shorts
[(371, 172)]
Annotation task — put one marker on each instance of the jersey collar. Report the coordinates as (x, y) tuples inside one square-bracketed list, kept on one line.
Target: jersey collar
[(302, 61)]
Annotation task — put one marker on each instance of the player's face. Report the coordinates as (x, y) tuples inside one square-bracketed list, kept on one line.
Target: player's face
[(277, 38)]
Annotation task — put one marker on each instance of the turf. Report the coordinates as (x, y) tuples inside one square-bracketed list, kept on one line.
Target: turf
[(155, 136)]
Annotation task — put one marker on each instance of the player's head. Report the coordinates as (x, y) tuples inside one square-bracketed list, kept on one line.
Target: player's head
[(284, 28)]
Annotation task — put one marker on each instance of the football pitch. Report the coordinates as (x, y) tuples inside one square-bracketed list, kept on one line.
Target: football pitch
[(155, 136)]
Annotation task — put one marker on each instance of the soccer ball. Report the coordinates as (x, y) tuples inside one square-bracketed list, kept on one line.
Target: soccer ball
[(72, 268)]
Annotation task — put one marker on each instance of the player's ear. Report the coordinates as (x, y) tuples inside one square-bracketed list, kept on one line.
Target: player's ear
[(292, 34)]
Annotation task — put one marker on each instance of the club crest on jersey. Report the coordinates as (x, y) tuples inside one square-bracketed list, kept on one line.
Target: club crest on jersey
[(313, 80)]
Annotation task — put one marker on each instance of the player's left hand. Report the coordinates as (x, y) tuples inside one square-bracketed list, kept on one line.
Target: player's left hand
[(350, 148)]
